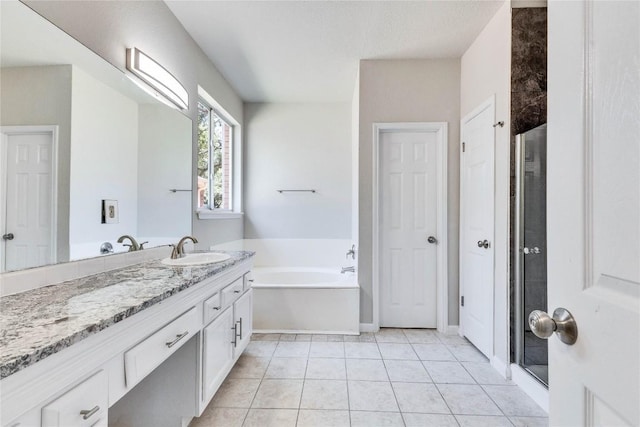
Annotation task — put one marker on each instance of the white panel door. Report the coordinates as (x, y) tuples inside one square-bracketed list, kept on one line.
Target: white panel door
[(408, 217), (29, 199), (477, 223), (593, 210)]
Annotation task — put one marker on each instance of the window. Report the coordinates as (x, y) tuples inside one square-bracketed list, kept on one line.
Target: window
[(215, 145)]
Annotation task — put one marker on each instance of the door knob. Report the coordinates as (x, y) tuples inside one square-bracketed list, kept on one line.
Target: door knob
[(483, 244), (432, 239), (8, 236), (562, 323)]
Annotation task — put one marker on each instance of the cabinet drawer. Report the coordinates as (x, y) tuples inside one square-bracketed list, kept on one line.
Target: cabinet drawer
[(248, 280), (212, 308), (147, 355), (232, 292), (87, 404)]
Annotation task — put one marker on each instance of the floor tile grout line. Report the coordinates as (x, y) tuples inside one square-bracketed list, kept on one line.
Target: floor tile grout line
[(390, 383), (304, 382), (346, 378), (493, 400)]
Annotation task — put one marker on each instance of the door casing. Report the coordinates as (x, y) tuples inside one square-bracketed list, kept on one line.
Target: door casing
[(441, 131)]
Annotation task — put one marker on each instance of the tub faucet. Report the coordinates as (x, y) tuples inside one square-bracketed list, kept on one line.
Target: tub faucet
[(352, 252), (351, 269), (178, 250), (134, 246)]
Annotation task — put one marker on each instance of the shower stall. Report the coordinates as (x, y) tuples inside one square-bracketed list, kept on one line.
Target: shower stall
[(530, 241)]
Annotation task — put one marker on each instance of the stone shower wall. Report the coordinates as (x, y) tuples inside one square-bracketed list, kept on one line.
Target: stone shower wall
[(528, 99)]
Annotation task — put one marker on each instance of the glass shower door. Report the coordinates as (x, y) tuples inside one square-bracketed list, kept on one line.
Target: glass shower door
[(531, 241)]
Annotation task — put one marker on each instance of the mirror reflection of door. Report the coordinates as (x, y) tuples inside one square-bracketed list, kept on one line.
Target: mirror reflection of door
[(27, 197)]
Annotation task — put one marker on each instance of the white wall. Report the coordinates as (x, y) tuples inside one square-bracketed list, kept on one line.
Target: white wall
[(164, 162), (104, 160), (109, 27), (297, 146), (42, 96), (407, 91), (486, 70)]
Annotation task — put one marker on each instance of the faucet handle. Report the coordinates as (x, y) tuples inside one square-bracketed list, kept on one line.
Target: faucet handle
[(141, 245), (174, 251)]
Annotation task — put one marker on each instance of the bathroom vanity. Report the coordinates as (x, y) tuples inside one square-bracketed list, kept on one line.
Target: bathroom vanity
[(147, 344)]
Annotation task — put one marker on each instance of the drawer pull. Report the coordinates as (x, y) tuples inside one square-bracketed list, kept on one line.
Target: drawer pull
[(236, 292), (178, 338), (217, 308), (87, 413)]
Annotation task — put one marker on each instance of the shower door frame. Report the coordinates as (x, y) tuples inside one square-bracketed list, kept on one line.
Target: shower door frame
[(518, 264)]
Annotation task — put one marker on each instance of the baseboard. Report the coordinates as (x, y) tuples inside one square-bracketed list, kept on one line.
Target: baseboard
[(368, 327), (302, 332), (531, 386), (452, 330), (504, 369)]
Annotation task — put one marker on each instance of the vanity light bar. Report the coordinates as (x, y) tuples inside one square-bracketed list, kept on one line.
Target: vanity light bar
[(156, 76)]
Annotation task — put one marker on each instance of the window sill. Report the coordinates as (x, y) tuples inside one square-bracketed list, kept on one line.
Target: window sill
[(211, 214)]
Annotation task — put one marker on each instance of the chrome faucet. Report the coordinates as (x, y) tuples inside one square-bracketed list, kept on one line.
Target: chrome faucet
[(352, 252), (351, 269), (178, 250), (134, 246)]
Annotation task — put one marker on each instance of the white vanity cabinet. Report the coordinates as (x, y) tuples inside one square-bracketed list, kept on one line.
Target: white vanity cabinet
[(187, 344), (226, 337)]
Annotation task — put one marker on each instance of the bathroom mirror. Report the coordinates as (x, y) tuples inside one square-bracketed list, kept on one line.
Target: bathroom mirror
[(79, 138)]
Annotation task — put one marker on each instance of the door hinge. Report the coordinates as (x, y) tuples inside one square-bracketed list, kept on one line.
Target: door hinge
[(463, 147), (462, 301)]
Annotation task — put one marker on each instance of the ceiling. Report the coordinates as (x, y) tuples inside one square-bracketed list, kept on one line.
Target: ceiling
[(308, 51)]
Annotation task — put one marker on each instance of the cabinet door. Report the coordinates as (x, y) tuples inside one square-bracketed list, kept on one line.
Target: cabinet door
[(243, 318), (218, 353)]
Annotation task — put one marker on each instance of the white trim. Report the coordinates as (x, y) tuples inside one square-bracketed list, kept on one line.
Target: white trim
[(368, 327), (441, 129), (503, 369), (534, 389), (29, 129), (236, 158), (302, 332), (453, 330), (214, 214), (488, 103)]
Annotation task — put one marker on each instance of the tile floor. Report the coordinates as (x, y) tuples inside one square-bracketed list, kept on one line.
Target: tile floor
[(397, 377)]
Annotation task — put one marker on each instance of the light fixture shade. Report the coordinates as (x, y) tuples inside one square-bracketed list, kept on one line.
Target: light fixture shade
[(156, 76)]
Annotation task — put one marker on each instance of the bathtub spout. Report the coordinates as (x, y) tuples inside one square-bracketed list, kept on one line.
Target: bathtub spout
[(351, 269)]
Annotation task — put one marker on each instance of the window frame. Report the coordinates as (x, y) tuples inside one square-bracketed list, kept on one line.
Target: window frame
[(209, 211)]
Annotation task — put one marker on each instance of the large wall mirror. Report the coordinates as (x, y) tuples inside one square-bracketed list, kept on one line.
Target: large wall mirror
[(81, 140)]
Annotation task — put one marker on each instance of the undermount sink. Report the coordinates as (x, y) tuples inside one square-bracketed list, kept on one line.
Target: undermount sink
[(199, 258)]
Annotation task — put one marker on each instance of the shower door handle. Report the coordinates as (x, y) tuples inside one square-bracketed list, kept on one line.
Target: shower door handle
[(562, 323)]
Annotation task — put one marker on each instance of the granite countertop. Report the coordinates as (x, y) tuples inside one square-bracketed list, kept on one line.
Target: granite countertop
[(38, 323)]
